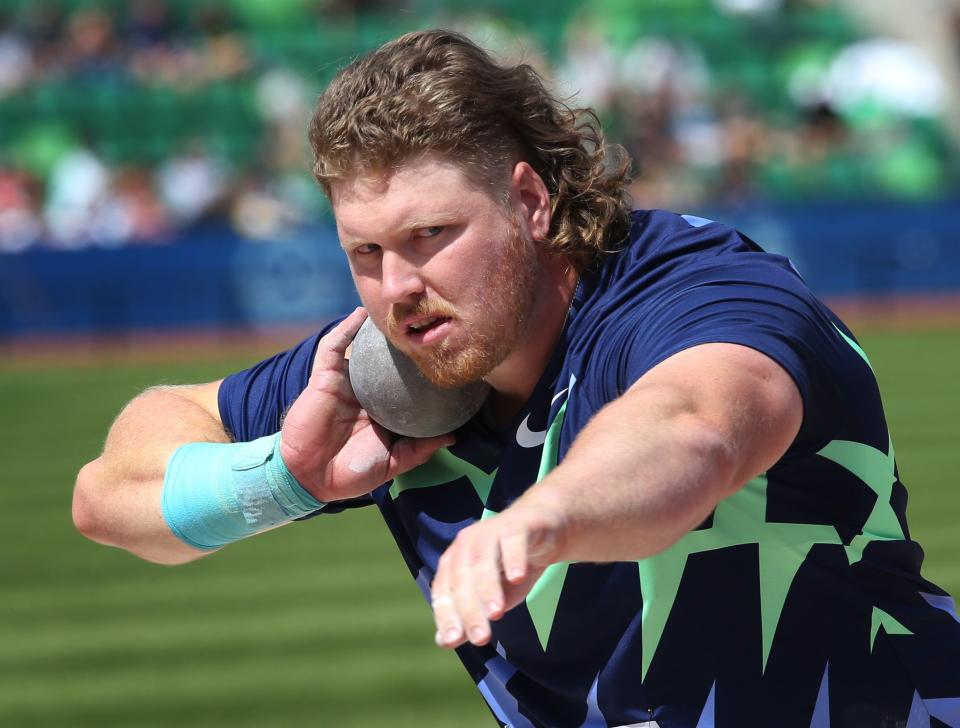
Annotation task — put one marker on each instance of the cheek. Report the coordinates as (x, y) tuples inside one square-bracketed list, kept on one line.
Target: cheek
[(461, 269), (368, 288)]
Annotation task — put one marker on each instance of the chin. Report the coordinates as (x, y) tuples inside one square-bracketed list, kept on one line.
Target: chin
[(451, 369), (451, 376)]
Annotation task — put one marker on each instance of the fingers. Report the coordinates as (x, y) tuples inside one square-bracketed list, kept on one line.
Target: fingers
[(449, 626), (468, 591), (477, 593), (513, 549), (461, 600), (409, 452), (332, 347)]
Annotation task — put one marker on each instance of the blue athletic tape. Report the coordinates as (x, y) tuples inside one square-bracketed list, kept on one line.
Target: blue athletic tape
[(218, 493)]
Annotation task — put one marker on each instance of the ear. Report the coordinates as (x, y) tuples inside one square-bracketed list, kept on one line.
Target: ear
[(531, 199)]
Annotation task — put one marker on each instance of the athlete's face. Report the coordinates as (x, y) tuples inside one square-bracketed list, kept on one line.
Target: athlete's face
[(442, 267)]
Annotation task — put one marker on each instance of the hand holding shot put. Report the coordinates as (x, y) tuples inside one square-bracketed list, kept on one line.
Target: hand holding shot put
[(329, 443)]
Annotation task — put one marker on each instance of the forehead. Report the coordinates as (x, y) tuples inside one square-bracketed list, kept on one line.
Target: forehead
[(409, 194)]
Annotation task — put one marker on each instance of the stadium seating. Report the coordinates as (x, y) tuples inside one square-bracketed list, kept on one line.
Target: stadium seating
[(133, 119)]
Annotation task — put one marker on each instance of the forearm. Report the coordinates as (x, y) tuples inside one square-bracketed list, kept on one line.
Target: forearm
[(117, 498), (643, 473)]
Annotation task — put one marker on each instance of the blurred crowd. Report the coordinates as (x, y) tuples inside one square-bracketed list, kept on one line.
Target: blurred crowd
[(784, 117), (58, 187)]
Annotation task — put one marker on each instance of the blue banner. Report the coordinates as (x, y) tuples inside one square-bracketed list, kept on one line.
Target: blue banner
[(213, 278)]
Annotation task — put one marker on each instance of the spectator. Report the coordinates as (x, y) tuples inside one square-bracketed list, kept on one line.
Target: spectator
[(131, 212), (20, 225), (91, 51), (42, 30), (589, 68), (150, 24), (79, 183), (259, 213), (16, 60), (192, 184)]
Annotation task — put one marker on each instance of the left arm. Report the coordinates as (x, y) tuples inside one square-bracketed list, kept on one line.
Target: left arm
[(647, 469)]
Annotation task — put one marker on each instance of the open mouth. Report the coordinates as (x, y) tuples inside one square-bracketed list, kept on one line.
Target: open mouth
[(428, 330)]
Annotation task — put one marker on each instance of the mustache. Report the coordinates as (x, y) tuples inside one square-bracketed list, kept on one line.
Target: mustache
[(422, 308)]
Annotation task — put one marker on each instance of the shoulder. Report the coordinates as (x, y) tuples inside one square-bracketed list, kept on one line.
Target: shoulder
[(661, 241), (683, 281), (670, 257)]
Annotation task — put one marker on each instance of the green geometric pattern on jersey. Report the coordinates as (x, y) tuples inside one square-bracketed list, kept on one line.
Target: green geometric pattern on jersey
[(544, 597), (877, 470), (737, 520), (443, 468), (782, 547), (878, 619)]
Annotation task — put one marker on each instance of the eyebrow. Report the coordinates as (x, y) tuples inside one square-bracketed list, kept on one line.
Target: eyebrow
[(440, 218), (414, 223)]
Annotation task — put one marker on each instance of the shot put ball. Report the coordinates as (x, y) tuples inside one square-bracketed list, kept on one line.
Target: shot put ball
[(395, 394)]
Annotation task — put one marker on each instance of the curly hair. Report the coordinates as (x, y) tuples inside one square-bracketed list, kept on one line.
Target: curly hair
[(437, 91)]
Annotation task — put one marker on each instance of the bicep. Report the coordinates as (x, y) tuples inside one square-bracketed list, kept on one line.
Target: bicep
[(734, 392)]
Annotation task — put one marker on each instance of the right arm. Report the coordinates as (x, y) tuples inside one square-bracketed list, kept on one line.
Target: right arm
[(328, 443)]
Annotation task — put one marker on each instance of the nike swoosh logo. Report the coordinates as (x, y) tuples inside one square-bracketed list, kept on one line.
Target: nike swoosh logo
[(527, 437), (531, 438)]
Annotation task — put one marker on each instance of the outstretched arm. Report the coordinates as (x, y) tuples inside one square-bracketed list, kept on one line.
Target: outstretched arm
[(647, 469)]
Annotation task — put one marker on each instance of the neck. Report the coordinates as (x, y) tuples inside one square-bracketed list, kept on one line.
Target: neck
[(514, 380)]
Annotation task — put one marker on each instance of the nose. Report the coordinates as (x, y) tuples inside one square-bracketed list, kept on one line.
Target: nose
[(400, 279)]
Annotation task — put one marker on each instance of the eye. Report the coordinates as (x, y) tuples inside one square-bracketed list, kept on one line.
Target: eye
[(366, 249), (429, 232)]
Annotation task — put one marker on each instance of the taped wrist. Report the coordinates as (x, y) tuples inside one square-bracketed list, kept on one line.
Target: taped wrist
[(218, 493)]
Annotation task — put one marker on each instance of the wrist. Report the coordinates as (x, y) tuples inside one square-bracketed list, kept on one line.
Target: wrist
[(217, 493), (303, 467), (285, 487), (549, 523)]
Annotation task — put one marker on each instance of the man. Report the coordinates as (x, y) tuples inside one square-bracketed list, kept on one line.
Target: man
[(679, 506)]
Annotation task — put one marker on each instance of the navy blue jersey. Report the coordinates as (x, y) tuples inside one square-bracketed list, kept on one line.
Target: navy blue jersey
[(798, 602)]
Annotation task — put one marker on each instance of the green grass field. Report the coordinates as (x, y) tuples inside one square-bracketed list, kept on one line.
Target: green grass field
[(315, 624)]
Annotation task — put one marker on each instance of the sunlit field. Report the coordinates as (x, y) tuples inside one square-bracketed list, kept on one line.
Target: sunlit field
[(316, 624)]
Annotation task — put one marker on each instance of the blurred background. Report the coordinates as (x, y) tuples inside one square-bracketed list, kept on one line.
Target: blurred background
[(158, 223)]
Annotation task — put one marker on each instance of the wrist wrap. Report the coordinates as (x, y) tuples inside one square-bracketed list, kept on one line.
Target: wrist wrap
[(218, 493)]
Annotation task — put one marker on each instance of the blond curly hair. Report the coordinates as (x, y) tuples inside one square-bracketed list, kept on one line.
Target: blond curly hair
[(436, 91)]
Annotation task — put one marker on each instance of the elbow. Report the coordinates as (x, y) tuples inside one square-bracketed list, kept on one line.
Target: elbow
[(87, 515), (719, 456), (96, 517)]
